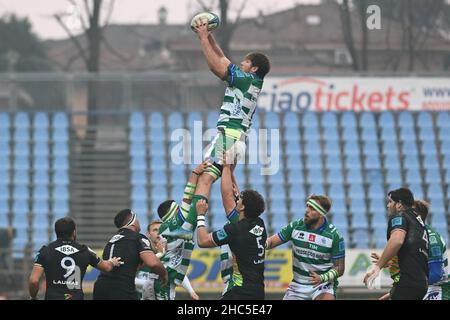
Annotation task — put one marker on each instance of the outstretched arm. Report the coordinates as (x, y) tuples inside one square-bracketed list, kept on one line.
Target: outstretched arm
[(217, 62), (226, 186), (204, 239)]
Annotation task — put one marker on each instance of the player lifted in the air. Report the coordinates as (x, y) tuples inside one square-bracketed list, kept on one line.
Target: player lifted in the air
[(244, 84)]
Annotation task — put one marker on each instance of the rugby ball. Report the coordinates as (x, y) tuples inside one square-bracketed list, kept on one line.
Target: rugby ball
[(212, 19)]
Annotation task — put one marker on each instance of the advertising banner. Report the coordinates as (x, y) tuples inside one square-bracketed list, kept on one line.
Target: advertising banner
[(357, 94), (204, 270)]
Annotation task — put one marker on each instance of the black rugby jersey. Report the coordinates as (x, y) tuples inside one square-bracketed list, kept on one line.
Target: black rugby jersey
[(413, 255), (65, 263), (247, 240)]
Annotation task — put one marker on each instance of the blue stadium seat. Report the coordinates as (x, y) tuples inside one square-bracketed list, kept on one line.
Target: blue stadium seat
[(360, 239), (4, 163), (315, 187), (20, 207), (348, 119), (256, 122), (407, 134), (388, 134), (312, 148), (314, 176), (444, 134), (40, 207), (424, 120), (445, 147), (329, 119), (354, 176), (156, 134), (293, 148), (386, 120), (178, 177), (432, 176), (335, 176), (157, 164), (405, 120), (175, 121), (311, 134), (139, 192), (277, 178), (40, 192), (350, 134), (21, 177), (158, 194), (292, 134), (427, 135), (351, 149), (278, 207), (156, 120), (372, 162), (157, 149), (61, 192), (369, 134), (332, 148), (272, 120), (41, 178), (22, 149), (138, 163), (447, 176), (376, 191), (138, 177), (60, 208), (194, 118), (434, 189), (4, 124), (309, 120), (279, 221), (330, 134), (411, 161), (137, 135), (295, 176), (60, 163), (377, 207), (336, 191), (297, 195), (255, 176), (159, 178), (136, 120), (417, 189), (391, 161), (290, 120), (393, 176), (333, 162), (359, 218), (430, 161), (60, 135), (40, 135), (60, 120), (21, 120), (370, 148), (367, 120), (21, 163), (41, 149), (429, 148), (356, 191), (60, 149), (313, 161), (413, 176), (443, 119), (61, 177)]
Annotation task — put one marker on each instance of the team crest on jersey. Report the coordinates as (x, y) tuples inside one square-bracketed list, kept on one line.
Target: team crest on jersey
[(67, 249), (433, 240), (116, 238), (312, 238), (257, 231)]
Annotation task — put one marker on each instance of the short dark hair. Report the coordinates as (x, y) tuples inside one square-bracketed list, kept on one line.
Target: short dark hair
[(261, 61), (253, 203), (422, 208), (403, 196), (121, 217), (164, 208), (64, 228)]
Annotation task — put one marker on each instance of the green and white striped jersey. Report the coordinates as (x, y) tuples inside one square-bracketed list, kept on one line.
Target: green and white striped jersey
[(178, 231), (437, 258), (239, 102), (312, 250)]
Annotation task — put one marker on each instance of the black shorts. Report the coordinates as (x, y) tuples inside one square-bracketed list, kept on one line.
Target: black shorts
[(105, 289), (399, 292), (243, 293)]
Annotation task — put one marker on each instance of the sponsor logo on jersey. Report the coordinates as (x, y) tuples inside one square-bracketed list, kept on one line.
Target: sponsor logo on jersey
[(312, 238), (257, 231), (62, 282), (398, 221), (67, 249), (116, 238), (433, 240), (67, 296), (221, 234), (301, 236)]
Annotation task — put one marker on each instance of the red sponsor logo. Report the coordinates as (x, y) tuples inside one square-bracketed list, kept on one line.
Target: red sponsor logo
[(312, 237)]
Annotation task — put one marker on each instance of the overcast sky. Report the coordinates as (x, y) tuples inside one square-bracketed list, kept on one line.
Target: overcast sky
[(126, 11)]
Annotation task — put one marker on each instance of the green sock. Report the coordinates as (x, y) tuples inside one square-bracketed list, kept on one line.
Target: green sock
[(192, 216)]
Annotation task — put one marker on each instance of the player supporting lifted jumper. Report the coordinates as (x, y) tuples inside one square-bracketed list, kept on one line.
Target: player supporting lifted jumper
[(318, 252), (177, 228), (239, 104)]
